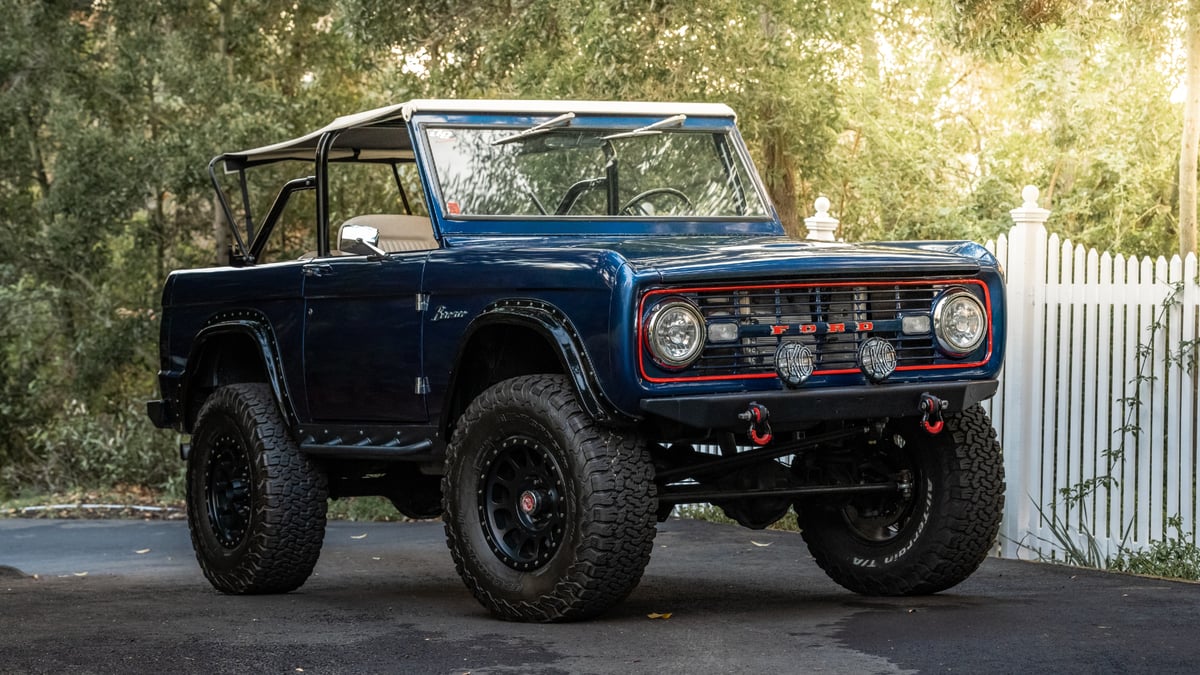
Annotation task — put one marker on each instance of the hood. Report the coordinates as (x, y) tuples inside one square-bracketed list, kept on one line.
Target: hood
[(686, 258), (693, 257)]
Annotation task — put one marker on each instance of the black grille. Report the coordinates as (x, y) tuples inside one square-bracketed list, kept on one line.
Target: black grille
[(833, 319)]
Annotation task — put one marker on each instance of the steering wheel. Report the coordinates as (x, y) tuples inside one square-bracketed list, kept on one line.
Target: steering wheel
[(576, 191), (537, 203), (643, 196)]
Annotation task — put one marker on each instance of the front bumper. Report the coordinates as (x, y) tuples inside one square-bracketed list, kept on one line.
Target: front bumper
[(797, 407)]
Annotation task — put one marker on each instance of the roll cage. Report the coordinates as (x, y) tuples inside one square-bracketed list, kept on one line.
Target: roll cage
[(384, 136)]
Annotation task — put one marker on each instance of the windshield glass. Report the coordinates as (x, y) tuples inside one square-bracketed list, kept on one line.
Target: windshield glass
[(591, 172)]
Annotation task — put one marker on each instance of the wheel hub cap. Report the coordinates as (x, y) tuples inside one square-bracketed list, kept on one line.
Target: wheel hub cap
[(530, 501)]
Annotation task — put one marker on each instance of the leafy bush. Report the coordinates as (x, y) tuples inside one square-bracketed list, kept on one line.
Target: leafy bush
[(365, 509), (715, 514), (1175, 557), (78, 447)]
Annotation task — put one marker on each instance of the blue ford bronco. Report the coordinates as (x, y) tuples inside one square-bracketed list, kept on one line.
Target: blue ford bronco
[(550, 323)]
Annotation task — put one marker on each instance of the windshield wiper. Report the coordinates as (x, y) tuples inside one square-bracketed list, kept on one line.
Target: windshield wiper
[(649, 129), (560, 121)]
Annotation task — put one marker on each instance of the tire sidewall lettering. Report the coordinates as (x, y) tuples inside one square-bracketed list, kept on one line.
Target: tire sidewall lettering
[(944, 532), (913, 539)]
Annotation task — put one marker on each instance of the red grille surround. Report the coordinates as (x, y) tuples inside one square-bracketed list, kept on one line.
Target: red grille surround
[(835, 316)]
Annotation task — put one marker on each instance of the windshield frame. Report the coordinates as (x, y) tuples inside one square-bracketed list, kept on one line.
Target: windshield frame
[(554, 224)]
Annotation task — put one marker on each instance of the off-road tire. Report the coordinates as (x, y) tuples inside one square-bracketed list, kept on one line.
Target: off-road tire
[(951, 519), (261, 530), (597, 487)]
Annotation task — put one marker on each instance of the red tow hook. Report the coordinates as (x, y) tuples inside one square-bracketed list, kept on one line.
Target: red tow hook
[(931, 413), (760, 428), (760, 440)]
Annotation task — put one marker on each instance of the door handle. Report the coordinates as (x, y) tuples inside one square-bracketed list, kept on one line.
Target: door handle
[(318, 270)]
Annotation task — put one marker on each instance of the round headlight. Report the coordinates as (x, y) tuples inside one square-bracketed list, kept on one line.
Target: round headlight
[(959, 322), (675, 333)]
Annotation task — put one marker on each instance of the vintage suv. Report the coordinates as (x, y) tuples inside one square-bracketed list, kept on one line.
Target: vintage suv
[(550, 323)]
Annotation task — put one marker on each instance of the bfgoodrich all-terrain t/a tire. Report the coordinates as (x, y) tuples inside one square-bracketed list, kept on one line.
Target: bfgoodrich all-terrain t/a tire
[(549, 517), (934, 537), (256, 504)]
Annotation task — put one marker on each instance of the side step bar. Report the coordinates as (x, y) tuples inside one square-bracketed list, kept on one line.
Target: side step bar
[(411, 451)]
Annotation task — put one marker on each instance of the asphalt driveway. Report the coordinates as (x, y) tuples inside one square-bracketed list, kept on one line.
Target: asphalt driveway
[(127, 596)]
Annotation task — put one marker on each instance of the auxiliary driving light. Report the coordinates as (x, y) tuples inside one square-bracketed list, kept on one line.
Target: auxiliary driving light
[(877, 359), (794, 363), (722, 332)]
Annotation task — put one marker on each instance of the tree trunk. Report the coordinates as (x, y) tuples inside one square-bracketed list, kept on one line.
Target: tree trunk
[(220, 228), (1191, 135), (159, 227), (780, 178)]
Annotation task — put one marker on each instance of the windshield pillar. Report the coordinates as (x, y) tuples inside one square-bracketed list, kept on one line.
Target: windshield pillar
[(610, 173), (322, 173)]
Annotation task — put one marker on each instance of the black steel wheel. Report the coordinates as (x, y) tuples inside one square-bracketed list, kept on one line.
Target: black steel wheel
[(549, 517), (227, 490), (928, 537), (256, 504), (522, 503)]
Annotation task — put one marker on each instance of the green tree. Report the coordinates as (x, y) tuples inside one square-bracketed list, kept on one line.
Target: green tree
[(1190, 136), (775, 63), (1088, 112), (111, 111), (918, 118)]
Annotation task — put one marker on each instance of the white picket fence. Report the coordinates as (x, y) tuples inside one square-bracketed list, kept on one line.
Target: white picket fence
[(1100, 379)]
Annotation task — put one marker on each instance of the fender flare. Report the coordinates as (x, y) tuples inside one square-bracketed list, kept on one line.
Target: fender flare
[(554, 325), (247, 323)]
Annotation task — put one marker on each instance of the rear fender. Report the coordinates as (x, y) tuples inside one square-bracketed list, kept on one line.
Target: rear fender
[(234, 347)]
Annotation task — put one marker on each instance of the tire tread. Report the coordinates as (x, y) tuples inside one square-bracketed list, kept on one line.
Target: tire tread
[(290, 511), (618, 499), (954, 547)]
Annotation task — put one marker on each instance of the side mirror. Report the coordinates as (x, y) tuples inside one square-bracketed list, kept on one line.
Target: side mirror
[(359, 240)]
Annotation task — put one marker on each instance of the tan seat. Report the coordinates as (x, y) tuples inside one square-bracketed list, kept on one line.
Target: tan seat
[(397, 232)]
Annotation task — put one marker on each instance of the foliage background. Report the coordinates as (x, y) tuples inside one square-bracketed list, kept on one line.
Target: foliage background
[(918, 118)]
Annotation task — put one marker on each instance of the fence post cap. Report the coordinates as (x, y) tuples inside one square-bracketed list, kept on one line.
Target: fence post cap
[(821, 225), (1029, 213), (1030, 194)]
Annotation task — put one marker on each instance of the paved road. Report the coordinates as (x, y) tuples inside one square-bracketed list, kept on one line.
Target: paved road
[(390, 601)]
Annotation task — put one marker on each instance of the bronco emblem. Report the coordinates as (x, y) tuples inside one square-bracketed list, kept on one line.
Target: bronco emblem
[(442, 313)]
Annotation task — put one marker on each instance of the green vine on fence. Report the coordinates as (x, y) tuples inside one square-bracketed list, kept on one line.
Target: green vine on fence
[(1176, 556)]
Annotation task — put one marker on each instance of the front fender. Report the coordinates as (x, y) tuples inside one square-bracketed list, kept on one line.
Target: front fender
[(552, 324)]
